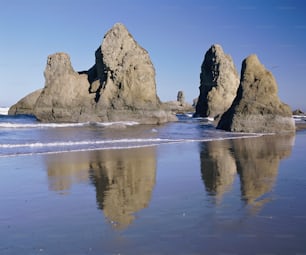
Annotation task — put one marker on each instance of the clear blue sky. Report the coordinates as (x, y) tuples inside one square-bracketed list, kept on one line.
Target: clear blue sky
[(176, 33)]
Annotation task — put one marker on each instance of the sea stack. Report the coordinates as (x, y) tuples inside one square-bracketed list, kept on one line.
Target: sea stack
[(257, 107), (119, 87), (219, 83)]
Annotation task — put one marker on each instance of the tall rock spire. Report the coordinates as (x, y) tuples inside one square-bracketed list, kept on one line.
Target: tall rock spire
[(219, 83)]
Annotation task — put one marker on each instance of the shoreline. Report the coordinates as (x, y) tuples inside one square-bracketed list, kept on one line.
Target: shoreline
[(300, 126)]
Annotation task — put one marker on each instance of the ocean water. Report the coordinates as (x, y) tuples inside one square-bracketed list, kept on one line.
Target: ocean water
[(125, 188), (24, 135)]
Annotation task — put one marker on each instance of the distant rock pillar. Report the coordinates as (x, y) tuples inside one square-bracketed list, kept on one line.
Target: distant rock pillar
[(181, 97)]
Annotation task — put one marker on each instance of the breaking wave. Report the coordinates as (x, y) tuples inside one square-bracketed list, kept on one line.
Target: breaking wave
[(4, 110), (63, 125)]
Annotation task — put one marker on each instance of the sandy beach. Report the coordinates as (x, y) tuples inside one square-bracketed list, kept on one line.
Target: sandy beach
[(220, 197)]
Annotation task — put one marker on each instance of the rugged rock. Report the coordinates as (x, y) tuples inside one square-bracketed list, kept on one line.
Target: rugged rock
[(298, 112), (65, 95), (119, 87), (219, 83), (26, 104), (257, 107)]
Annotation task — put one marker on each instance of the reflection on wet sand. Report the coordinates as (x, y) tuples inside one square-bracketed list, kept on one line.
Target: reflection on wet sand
[(256, 160), (124, 179), (218, 167), (66, 169)]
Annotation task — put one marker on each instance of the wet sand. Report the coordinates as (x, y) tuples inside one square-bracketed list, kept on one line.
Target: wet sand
[(243, 196), (300, 125)]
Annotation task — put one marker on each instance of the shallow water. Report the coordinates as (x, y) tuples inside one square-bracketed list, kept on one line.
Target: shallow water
[(241, 196)]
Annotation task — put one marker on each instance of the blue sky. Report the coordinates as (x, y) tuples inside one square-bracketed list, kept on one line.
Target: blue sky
[(176, 33)]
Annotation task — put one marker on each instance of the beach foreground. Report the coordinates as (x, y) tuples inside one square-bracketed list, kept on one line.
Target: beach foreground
[(241, 196)]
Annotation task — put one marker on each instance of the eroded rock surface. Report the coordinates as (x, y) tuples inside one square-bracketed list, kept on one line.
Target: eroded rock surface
[(219, 83), (257, 107), (119, 87)]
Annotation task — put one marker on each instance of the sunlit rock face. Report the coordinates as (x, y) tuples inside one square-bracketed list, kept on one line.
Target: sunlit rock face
[(126, 71), (124, 181), (257, 107), (65, 94), (219, 83)]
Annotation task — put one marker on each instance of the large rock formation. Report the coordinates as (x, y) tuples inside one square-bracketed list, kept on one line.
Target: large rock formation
[(119, 87), (219, 83), (257, 107)]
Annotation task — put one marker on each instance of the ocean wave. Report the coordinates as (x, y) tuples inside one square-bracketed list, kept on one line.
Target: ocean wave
[(37, 148), (87, 142), (4, 110), (13, 125), (29, 153)]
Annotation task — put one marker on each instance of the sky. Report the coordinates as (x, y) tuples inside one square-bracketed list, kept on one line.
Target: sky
[(176, 34)]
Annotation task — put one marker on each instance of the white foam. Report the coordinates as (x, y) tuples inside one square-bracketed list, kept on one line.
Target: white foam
[(78, 150), (87, 142), (63, 125), (4, 110), (298, 118), (117, 123)]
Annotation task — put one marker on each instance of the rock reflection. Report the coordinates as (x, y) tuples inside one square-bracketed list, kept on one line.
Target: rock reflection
[(66, 169), (124, 180), (218, 168), (256, 160)]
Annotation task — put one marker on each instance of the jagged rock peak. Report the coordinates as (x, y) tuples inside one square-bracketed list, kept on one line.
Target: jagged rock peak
[(219, 83), (58, 63), (116, 43), (257, 107), (120, 86), (125, 72)]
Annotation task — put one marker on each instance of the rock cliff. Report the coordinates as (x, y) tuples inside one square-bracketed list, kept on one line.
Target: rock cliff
[(257, 107), (219, 83), (119, 87)]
